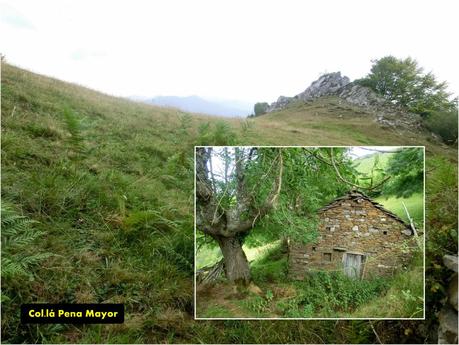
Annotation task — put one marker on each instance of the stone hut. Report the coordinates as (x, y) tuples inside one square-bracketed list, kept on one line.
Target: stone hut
[(356, 235)]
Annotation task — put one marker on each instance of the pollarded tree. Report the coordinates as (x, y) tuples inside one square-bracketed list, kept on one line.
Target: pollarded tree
[(237, 188), (226, 207)]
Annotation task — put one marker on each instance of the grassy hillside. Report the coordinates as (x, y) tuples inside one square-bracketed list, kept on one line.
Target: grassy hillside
[(365, 164), (109, 185), (414, 203)]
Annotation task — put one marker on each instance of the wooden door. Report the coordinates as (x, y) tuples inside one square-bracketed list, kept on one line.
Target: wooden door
[(353, 265)]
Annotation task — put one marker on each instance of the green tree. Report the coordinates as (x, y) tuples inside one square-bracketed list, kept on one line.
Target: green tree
[(403, 82), (406, 168), (444, 124), (260, 108)]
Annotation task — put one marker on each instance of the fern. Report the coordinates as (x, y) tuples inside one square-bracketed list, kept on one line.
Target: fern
[(175, 248), (220, 134), (74, 128), (18, 237)]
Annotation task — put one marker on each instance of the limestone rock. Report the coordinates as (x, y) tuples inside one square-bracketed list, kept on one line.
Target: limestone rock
[(334, 84), (452, 292), (327, 84), (281, 103), (360, 95), (447, 332)]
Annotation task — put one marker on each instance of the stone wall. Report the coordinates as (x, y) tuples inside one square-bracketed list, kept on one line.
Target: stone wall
[(354, 226)]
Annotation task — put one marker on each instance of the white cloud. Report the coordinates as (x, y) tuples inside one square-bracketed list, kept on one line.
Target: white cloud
[(247, 50)]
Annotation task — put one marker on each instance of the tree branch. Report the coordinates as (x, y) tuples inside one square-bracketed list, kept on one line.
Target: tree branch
[(216, 221), (350, 183)]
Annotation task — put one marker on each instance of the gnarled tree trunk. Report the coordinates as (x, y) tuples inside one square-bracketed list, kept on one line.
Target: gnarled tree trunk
[(236, 263)]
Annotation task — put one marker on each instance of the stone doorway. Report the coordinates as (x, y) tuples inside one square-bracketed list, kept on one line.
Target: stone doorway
[(353, 264)]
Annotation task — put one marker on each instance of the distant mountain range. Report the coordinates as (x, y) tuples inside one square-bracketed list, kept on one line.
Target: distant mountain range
[(196, 104)]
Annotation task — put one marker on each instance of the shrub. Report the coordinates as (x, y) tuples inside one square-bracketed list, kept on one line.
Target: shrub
[(221, 134), (272, 267), (324, 293), (260, 108), (444, 124)]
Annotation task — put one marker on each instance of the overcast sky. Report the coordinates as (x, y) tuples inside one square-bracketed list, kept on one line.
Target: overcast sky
[(245, 50)]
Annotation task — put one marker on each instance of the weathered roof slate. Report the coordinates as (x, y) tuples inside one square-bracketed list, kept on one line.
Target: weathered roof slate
[(352, 195)]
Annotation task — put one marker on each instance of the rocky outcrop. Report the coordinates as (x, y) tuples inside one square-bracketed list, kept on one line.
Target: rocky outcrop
[(327, 84), (334, 84), (281, 103), (360, 95), (447, 331)]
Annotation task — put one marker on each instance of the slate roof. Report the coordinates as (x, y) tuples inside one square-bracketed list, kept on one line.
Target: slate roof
[(353, 195)]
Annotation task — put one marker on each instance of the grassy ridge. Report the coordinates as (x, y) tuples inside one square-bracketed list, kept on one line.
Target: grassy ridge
[(110, 183)]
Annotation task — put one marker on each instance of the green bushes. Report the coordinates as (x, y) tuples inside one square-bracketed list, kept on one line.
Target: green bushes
[(320, 294), (272, 267), (443, 124), (328, 294), (219, 134), (260, 108)]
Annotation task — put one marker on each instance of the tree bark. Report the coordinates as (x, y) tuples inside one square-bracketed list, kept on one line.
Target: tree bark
[(236, 264)]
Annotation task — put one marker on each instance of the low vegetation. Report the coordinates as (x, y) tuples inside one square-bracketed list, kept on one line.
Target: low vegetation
[(319, 295)]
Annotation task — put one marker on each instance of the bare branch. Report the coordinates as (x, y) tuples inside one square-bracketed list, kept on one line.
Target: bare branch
[(374, 331), (319, 157), (211, 170), (213, 219), (379, 150)]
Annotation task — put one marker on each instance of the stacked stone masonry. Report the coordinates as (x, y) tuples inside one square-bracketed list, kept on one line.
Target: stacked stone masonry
[(354, 226)]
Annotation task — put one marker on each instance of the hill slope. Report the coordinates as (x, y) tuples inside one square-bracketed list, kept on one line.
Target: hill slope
[(414, 203), (110, 183)]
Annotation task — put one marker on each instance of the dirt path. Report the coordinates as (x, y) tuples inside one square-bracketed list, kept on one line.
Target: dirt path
[(226, 297)]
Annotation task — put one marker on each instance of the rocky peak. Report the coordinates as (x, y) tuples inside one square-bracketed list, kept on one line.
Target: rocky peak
[(327, 84), (334, 84)]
